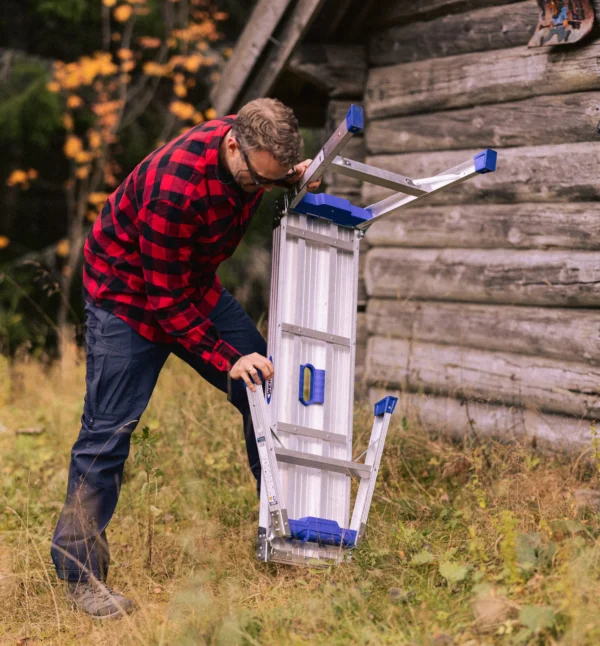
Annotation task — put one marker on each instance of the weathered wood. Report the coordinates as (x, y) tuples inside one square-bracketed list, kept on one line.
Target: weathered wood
[(476, 31), (574, 117), (338, 70), (478, 78), (557, 333), (391, 13), (283, 41), (263, 21), (361, 344), (492, 226), (458, 419), (502, 378), (563, 173), (563, 278)]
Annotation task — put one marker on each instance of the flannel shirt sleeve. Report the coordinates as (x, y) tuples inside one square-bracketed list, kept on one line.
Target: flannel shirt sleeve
[(167, 232)]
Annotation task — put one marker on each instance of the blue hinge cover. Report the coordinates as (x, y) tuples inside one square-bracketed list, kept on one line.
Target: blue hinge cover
[(385, 405), (331, 207), (485, 161), (355, 120)]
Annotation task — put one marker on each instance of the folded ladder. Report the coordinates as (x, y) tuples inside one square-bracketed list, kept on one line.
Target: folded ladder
[(303, 420)]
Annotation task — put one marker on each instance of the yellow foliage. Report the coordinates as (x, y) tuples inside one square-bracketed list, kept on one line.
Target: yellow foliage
[(73, 146), (154, 69), (4, 242), (95, 139), (122, 13), (193, 62), (127, 66), (91, 216), (179, 90), (211, 113), (17, 177), (109, 3), (62, 248), (83, 157), (32, 173), (125, 54), (116, 37), (198, 118), (97, 198), (182, 110), (67, 121), (82, 172), (74, 101), (53, 86), (220, 15), (149, 42)]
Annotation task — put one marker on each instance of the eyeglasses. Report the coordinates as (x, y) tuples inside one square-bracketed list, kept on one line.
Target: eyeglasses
[(259, 180)]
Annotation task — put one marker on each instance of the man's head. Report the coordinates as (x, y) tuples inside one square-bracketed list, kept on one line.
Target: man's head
[(263, 144)]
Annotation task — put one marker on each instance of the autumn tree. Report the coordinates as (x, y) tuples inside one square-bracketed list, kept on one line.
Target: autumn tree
[(104, 93)]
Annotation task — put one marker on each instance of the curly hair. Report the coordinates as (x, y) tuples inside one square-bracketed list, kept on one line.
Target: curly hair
[(267, 124)]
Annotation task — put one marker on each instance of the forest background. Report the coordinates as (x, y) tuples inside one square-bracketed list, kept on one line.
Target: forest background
[(87, 90)]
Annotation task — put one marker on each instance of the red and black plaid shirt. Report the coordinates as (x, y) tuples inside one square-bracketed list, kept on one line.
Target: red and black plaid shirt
[(152, 255)]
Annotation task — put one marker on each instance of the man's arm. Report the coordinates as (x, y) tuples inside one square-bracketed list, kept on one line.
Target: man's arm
[(167, 232)]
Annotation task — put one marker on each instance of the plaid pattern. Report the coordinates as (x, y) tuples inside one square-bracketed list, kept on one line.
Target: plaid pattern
[(152, 255)]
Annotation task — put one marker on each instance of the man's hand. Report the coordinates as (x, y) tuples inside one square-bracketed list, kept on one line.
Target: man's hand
[(300, 170), (247, 369)]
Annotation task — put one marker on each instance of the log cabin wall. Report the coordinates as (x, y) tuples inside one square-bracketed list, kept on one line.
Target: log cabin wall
[(483, 305)]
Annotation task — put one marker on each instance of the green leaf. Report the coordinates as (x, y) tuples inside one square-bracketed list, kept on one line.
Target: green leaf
[(537, 618), (422, 558), (453, 572)]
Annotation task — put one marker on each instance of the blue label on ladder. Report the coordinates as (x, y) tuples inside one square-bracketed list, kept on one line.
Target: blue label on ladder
[(311, 387)]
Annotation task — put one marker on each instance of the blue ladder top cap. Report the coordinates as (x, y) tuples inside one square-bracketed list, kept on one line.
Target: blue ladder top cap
[(321, 531), (330, 207), (385, 405), (355, 120), (485, 161)]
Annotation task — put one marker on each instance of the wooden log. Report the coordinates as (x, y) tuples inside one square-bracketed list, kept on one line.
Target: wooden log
[(492, 226), (574, 117), (477, 31), (496, 377), (557, 333), (338, 70), (255, 37), (459, 419), (283, 41), (479, 78), (563, 173), (556, 278), (392, 13)]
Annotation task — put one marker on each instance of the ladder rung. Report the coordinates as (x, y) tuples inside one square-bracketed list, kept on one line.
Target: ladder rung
[(311, 432), (296, 232), (315, 334), (319, 462)]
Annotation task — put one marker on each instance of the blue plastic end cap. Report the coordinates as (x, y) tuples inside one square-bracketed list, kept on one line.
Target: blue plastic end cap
[(330, 207), (355, 119), (386, 405), (485, 161), (322, 531)]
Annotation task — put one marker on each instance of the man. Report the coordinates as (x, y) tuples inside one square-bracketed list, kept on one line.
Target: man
[(151, 290)]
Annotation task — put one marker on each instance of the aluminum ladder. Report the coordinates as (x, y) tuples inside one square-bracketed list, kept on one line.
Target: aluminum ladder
[(303, 420)]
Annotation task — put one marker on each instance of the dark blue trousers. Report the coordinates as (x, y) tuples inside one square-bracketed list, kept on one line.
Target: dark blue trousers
[(121, 372)]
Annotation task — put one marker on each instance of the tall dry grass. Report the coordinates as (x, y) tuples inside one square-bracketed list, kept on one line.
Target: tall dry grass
[(468, 544)]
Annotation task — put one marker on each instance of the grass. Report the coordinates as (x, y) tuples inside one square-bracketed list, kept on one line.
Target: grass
[(468, 544)]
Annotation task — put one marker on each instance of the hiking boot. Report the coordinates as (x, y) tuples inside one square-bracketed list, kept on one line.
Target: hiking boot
[(95, 599)]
